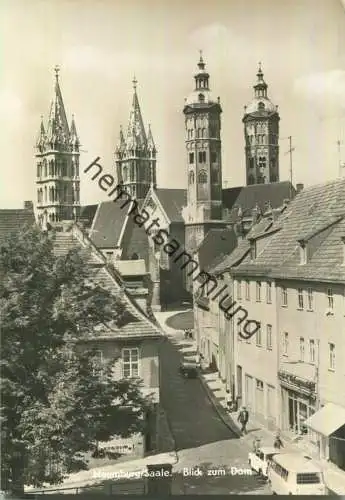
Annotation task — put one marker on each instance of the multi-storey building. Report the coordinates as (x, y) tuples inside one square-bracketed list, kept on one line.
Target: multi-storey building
[(57, 160), (298, 262)]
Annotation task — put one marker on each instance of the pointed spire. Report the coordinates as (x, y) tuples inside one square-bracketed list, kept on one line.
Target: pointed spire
[(150, 142), (41, 139), (136, 135), (57, 130), (74, 139), (260, 87)]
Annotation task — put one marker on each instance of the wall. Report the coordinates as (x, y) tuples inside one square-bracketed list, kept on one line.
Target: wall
[(316, 324), (259, 362)]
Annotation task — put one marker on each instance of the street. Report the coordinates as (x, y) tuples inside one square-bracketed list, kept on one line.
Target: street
[(212, 460)]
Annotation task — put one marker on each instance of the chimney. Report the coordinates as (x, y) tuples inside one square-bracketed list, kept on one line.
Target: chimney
[(299, 187), (28, 205)]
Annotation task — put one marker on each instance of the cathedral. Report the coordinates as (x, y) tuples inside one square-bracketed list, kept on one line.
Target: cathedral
[(188, 215)]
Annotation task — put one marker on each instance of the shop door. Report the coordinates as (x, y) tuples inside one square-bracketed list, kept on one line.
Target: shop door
[(293, 414)]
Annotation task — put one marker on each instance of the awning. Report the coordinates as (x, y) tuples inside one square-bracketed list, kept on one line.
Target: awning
[(327, 420)]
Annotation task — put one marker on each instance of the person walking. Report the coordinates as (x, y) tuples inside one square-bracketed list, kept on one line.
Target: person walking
[(278, 443), (243, 418), (228, 400)]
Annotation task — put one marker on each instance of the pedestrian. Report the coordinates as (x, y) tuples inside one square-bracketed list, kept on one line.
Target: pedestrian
[(278, 443), (243, 418)]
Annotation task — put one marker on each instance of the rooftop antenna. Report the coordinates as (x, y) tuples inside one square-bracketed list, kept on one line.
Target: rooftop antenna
[(289, 152)]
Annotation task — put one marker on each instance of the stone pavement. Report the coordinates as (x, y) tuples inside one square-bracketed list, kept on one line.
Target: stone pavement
[(215, 388)]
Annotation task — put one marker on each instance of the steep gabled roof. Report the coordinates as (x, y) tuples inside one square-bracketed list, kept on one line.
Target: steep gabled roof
[(317, 213), (13, 220), (98, 271), (248, 197), (172, 201)]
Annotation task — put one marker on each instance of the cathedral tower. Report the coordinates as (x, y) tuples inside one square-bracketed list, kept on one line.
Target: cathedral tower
[(261, 133), (57, 161), (203, 158), (136, 154)]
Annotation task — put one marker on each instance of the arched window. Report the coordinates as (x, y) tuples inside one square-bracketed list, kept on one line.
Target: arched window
[(261, 106), (45, 192), (191, 177), (262, 162), (125, 173), (45, 167), (251, 162), (202, 177), (201, 98), (64, 168), (203, 132)]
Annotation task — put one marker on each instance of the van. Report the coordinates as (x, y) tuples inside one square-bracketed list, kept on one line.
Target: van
[(295, 474)]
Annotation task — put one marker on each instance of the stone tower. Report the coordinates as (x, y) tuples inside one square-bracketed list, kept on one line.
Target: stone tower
[(203, 159), (57, 161), (261, 133), (136, 154)]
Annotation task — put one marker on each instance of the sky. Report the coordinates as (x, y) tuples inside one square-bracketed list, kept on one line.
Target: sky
[(101, 44)]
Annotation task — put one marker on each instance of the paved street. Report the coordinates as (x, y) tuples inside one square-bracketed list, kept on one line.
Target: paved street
[(203, 442)]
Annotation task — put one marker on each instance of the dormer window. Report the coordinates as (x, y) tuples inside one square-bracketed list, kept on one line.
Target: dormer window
[(343, 246), (302, 252)]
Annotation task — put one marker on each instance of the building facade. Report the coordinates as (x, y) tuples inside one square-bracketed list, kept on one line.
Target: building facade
[(261, 135), (57, 162)]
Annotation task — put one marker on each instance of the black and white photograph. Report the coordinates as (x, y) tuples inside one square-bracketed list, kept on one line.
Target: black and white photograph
[(172, 248)]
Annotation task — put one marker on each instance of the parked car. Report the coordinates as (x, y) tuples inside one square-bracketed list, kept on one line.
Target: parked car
[(295, 474), (189, 368), (259, 460)]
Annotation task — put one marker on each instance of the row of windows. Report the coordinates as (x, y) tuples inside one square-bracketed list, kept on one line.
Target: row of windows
[(305, 298), (55, 195), (258, 291), (57, 169), (312, 353), (285, 347), (202, 157)]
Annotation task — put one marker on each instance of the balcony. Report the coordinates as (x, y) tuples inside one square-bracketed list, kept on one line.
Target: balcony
[(298, 376)]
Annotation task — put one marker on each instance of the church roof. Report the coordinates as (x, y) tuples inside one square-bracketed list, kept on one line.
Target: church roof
[(172, 201), (108, 223), (13, 220), (248, 197)]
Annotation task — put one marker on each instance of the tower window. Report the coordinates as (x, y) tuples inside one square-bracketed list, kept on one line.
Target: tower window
[(125, 174), (191, 157), (201, 98), (202, 178), (191, 177), (250, 179), (251, 162), (262, 162), (202, 156), (213, 156), (261, 106)]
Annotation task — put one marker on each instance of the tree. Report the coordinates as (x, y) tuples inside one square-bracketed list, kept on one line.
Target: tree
[(57, 399)]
